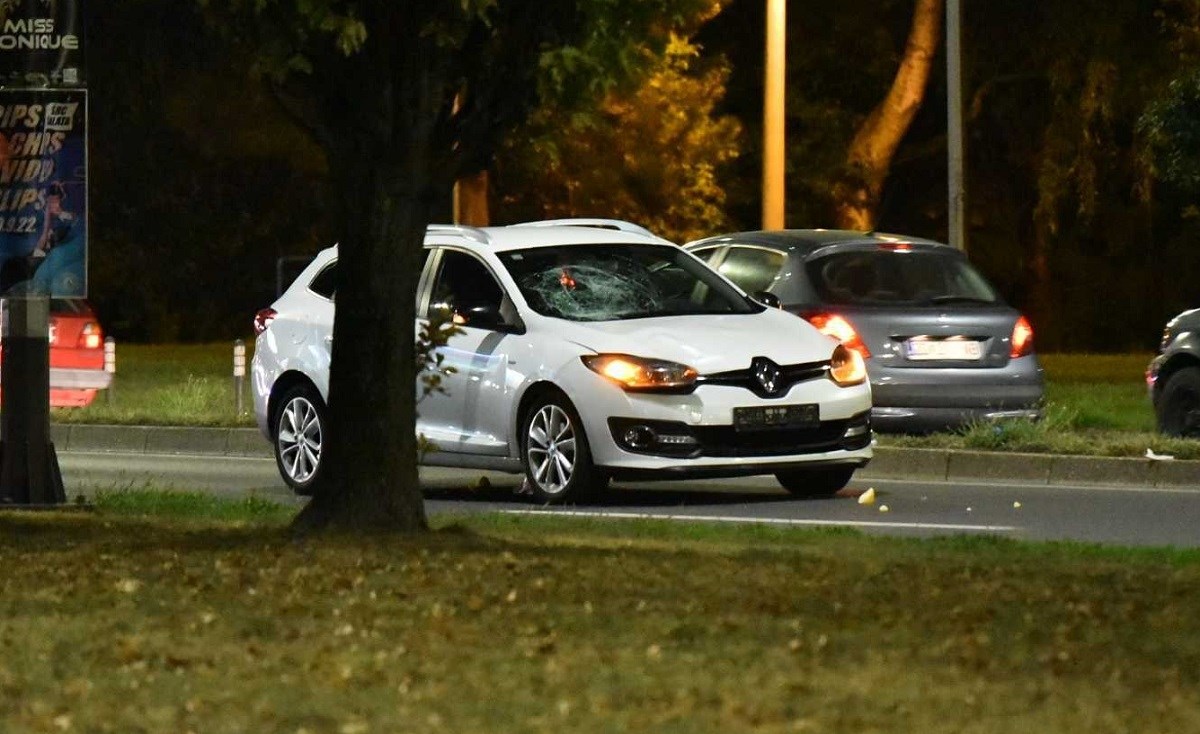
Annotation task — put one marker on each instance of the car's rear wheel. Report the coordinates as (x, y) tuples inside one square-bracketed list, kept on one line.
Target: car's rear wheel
[(1179, 404), (299, 438), (816, 482), (555, 453)]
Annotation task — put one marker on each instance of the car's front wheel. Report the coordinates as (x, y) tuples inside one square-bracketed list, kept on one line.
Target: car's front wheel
[(299, 438), (555, 453), (816, 482), (1179, 404)]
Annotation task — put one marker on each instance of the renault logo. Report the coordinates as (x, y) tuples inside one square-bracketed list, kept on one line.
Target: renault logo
[(766, 374)]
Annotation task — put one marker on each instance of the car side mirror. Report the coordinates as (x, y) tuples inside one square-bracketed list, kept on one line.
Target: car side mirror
[(767, 298), (485, 316)]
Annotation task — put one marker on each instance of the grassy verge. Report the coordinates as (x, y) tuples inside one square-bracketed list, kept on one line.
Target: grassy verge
[(174, 384), (1096, 404), (117, 621)]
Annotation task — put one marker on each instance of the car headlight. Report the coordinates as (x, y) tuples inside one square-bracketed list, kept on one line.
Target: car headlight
[(639, 374), (846, 367)]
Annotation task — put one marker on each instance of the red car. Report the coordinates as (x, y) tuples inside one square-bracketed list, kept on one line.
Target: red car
[(76, 354)]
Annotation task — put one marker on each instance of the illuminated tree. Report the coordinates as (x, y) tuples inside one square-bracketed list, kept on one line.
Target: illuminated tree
[(650, 155)]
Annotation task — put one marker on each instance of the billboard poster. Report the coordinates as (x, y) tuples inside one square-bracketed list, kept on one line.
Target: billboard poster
[(43, 192), (41, 43)]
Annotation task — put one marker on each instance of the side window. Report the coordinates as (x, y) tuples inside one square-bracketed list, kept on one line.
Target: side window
[(325, 284), (752, 268), (706, 253), (466, 287)]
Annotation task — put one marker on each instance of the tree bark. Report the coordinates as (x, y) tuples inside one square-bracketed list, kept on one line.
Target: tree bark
[(869, 158), (471, 200), (369, 479)]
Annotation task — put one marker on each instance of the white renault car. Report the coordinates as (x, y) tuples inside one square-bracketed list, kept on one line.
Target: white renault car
[(590, 350)]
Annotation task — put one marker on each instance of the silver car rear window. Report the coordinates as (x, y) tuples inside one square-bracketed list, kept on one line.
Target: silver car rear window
[(908, 277)]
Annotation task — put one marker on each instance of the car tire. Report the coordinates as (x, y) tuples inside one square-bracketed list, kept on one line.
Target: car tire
[(299, 438), (823, 482), (555, 453), (1179, 404)]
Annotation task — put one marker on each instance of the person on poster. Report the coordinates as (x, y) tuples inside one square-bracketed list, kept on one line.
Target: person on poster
[(58, 257)]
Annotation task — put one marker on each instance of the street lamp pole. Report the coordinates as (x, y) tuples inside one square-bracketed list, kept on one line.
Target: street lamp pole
[(955, 163), (773, 117)]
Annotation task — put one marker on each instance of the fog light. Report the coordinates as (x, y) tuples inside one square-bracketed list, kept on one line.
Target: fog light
[(857, 430), (640, 437)]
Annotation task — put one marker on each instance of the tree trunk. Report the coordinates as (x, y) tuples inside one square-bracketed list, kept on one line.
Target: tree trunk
[(869, 158), (369, 478), (471, 200)]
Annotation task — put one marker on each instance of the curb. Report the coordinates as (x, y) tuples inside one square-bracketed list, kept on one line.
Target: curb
[(160, 440), (946, 465), (1048, 469)]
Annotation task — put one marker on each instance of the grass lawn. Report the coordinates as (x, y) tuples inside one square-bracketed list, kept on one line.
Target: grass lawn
[(206, 617), (170, 384)]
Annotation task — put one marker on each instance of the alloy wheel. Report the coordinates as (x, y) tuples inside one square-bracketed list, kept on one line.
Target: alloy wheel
[(299, 439), (550, 449)]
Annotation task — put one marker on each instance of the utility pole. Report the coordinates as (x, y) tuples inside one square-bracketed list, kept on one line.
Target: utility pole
[(957, 203), (773, 116)]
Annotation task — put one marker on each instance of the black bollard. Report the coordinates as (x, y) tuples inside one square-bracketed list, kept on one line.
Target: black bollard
[(29, 473)]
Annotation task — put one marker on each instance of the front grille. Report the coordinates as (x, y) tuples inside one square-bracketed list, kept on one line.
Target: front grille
[(726, 441), (789, 375)]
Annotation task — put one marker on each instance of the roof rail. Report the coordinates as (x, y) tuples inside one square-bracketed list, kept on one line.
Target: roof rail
[(619, 225), (473, 233)]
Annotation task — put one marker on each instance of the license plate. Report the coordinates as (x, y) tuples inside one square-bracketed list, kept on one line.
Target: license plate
[(944, 349), (776, 416)]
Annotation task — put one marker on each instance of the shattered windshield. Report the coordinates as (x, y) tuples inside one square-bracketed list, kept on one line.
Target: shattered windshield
[(613, 282)]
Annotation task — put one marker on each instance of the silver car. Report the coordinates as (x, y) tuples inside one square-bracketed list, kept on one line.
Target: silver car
[(942, 348)]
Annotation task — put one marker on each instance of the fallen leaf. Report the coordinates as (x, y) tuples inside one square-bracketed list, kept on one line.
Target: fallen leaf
[(868, 497), (128, 586)]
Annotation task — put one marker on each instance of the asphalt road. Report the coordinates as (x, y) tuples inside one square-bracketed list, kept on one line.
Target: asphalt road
[(1142, 516)]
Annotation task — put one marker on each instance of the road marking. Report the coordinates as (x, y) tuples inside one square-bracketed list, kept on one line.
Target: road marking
[(765, 520)]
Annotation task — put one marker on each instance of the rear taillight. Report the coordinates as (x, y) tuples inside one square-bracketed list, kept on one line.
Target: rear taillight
[(1022, 339), (839, 328), (263, 319), (90, 336)]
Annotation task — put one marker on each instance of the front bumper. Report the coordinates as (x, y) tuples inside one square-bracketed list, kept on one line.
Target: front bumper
[(707, 415)]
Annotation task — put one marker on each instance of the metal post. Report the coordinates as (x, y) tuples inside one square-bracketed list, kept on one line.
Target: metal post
[(29, 472), (239, 373), (956, 205), (110, 366), (773, 190)]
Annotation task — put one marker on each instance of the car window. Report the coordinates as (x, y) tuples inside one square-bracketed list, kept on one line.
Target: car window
[(607, 282), (898, 277), (325, 284), (466, 287), (706, 253), (752, 268)]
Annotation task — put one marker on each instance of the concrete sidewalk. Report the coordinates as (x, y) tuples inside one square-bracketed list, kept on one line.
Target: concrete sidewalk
[(889, 462)]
